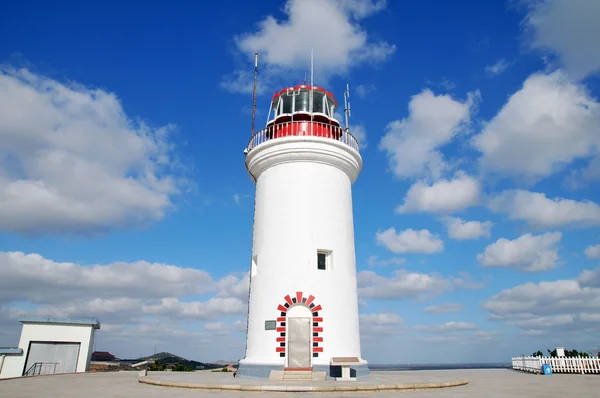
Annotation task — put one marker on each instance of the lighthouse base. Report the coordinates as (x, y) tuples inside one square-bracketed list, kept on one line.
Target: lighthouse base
[(256, 371), (263, 371)]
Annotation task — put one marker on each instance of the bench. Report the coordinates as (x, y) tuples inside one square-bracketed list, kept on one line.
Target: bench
[(143, 367), (345, 363)]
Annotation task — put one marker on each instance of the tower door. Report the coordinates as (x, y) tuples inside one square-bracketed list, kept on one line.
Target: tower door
[(299, 331)]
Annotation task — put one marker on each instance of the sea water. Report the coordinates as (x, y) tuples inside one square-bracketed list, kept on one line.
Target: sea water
[(440, 366)]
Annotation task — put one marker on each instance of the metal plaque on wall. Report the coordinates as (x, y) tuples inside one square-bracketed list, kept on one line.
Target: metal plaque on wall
[(270, 325)]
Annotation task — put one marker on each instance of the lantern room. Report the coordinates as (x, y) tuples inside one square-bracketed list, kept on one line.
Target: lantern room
[(291, 114), (293, 103)]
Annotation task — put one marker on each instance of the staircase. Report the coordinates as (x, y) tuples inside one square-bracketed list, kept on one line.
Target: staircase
[(294, 374), (297, 374)]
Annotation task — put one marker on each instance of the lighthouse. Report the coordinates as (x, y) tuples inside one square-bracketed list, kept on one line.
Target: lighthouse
[(303, 304)]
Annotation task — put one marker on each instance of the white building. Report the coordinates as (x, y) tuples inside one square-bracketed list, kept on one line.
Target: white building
[(303, 306), (50, 345)]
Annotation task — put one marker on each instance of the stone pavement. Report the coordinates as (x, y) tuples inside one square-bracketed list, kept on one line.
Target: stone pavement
[(488, 383)]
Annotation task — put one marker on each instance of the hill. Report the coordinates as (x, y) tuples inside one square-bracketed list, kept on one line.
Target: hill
[(172, 359)]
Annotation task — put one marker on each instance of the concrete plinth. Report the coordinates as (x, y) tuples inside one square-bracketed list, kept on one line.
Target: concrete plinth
[(253, 371)]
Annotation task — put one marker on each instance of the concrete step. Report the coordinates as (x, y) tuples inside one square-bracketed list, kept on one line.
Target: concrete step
[(297, 377), (303, 375), (276, 375), (297, 372)]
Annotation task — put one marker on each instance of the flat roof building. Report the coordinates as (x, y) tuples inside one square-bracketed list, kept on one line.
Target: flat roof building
[(50, 345)]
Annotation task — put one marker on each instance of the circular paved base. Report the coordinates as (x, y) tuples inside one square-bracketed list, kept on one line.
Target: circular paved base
[(303, 386)]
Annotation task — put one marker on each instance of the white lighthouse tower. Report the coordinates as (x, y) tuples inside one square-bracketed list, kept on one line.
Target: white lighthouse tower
[(303, 306)]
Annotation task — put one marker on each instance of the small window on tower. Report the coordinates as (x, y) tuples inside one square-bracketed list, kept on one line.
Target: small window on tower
[(322, 260), (254, 269)]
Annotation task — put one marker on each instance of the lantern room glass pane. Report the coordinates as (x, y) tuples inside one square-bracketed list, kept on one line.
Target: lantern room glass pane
[(276, 108), (287, 103), (318, 101), (303, 101)]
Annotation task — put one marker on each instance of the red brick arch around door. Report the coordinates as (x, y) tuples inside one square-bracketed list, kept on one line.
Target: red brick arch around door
[(317, 327)]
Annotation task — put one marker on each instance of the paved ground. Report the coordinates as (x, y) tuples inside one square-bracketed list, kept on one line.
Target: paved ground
[(376, 378), (482, 383)]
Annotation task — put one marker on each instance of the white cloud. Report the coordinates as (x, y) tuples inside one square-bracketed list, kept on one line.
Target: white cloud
[(443, 308), (486, 334), (461, 230), (242, 81), (20, 271), (528, 252), (568, 29), (167, 308), (415, 285), (447, 84), (361, 8), (590, 278), (592, 171), (375, 261), (380, 324), (413, 144), (284, 45), (439, 339), (409, 241), (233, 286), (590, 317), (543, 321), (442, 196), (500, 66), (382, 318), (533, 332), (360, 133), (542, 212), (593, 251), (129, 298), (363, 90), (236, 199), (73, 161), (403, 284), (546, 125), (550, 307), (447, 327), (465, 280), (215, 326)]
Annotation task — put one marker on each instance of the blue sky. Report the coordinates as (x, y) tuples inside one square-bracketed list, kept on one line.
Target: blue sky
[(123, 193)]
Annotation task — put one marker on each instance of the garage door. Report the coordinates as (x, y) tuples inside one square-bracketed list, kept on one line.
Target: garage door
[(52, 357)]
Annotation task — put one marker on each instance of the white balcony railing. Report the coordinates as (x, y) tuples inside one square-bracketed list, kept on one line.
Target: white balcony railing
[(303, 128)]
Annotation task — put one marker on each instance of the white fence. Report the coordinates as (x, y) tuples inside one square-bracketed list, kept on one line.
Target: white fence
[(558, 364)]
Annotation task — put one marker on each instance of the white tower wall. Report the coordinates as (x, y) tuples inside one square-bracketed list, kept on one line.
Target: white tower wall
[(303, 205)]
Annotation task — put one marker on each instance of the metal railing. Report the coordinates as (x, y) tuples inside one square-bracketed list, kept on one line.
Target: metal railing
[(303, 128), (36, 368)]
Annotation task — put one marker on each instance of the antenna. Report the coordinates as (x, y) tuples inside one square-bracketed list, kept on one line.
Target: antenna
[(347, 107), (254, 94), (311, 87)]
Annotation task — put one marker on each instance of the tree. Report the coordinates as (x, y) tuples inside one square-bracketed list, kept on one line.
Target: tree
[(182, 368), (570, 353), (157, 367), (538, 353)]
